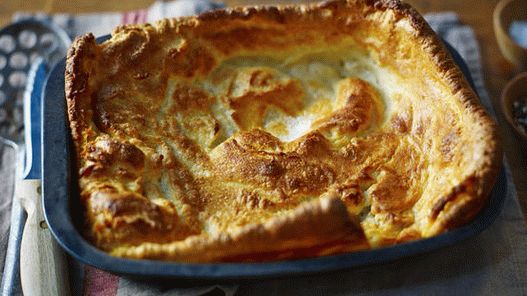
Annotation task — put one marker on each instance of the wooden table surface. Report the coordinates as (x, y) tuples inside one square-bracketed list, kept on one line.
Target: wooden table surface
[(476, 13)]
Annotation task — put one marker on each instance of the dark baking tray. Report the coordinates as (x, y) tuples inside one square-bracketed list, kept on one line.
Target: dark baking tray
[(64, 216)]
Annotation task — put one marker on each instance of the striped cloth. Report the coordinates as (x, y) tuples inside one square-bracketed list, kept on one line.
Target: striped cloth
[(494, 263)]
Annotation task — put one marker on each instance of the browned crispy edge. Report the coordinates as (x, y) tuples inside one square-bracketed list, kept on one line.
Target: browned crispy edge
[(76, 83), (483, 180), (477, 185)]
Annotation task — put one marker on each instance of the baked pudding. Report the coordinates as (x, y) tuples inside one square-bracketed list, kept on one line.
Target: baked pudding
[(270, 133)]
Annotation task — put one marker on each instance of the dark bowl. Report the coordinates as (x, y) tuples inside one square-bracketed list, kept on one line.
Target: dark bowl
[(514, 89)]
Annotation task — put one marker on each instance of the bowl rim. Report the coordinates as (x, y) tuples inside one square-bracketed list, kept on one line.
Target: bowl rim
[(511, 50), (506, 101), (498, 22)]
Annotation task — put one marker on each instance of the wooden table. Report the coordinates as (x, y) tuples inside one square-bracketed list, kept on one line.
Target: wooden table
[(476, 13)]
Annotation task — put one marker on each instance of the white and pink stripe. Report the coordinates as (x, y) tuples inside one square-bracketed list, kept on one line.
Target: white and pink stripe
[(135, 17)]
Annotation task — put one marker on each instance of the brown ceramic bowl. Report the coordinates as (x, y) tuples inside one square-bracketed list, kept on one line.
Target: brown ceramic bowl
[(514, 89), (504, 14)]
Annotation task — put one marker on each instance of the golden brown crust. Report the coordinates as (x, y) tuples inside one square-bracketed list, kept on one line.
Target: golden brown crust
[(202, 138), (279, 238)]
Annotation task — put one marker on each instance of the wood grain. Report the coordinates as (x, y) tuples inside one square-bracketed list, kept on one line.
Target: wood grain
[(43, 268), (476, 13)]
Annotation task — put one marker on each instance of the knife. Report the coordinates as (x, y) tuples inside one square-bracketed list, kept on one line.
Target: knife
[(43, 265)]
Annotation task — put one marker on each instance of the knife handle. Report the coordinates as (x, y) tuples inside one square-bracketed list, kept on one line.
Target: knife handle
[(43, 268)]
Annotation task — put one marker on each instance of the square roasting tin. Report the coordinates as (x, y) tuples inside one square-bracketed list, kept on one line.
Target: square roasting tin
[(64, 215)]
